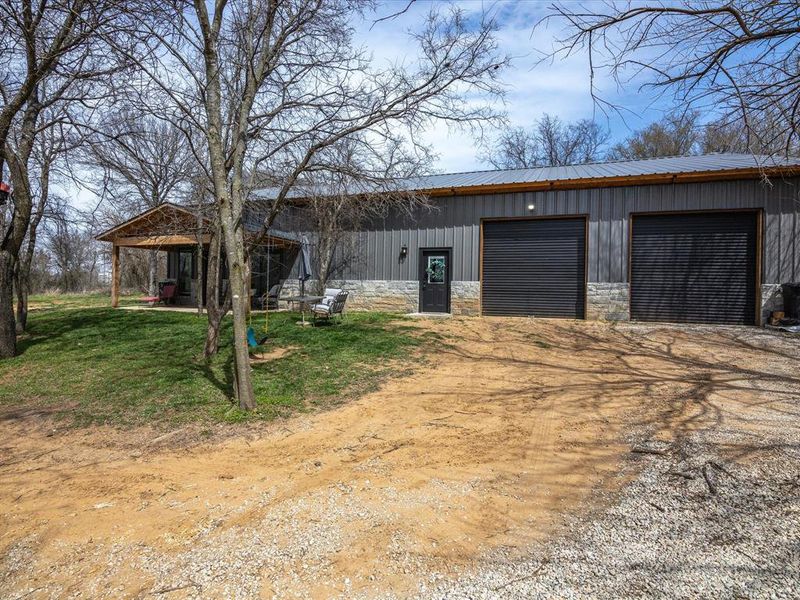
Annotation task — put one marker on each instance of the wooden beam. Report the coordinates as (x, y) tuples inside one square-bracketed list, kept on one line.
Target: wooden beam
[(115, 276), (159, 241)]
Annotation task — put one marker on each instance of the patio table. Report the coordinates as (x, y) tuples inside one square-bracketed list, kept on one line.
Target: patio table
[(304, 302)]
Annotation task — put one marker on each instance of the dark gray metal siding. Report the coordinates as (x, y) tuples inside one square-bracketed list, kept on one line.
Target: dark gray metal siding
[(534, 268), (455, 222), (694, 268)]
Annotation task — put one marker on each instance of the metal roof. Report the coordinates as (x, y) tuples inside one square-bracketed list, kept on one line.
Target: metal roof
[(671, 165), (627, 168)]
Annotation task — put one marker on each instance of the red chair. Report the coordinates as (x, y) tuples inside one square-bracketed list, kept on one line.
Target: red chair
[(166, 294)]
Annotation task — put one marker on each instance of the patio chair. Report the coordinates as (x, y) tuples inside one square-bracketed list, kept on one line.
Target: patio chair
[(270, 299), (335, 305), (330, 295)]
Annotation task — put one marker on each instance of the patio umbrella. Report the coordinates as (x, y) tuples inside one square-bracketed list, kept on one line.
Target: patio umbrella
[(305, 264)]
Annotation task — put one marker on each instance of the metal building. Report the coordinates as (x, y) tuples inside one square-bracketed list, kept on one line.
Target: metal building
[(683, 239)]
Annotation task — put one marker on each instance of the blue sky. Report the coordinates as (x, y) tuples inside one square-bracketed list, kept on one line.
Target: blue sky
[(560, 88)]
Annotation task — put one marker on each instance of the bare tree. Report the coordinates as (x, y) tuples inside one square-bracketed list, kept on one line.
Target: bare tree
[(41, 40), (354, 182), (725, 135), (549, 143), (737, 58), (74, 253), (52, 62), (269, 85), (49, 149), (677, 134), (218, 300), (143, 162), (682, 134)]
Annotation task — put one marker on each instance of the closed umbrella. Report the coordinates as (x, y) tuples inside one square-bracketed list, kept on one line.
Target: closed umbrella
[(305, 273), (305, 264)]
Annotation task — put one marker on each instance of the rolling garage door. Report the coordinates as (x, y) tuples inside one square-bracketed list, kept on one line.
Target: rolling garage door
[(534, 268), (694, 268)]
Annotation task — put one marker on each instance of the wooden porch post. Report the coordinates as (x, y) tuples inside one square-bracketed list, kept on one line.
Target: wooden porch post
[(115, 275)]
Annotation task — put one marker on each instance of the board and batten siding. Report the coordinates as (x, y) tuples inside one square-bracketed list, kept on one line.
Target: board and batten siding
[(455, 222)]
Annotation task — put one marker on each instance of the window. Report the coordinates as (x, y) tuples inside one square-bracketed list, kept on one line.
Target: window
[(435, 272), (185, 272)]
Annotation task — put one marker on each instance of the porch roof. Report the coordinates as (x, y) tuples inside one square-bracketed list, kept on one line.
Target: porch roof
[(169, 225)]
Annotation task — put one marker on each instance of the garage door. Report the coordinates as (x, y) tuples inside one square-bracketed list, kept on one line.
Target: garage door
[(694, 268), (534, 268)]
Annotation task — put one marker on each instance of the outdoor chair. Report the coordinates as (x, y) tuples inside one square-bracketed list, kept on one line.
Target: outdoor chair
[(330, 295), (330, 306), (166, 293), (269, 300)]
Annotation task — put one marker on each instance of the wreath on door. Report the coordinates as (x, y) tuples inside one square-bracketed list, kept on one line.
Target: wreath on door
[(435, 270)]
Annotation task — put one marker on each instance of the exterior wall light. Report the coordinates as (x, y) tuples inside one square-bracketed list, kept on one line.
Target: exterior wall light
[(531, 206), (403, 252)]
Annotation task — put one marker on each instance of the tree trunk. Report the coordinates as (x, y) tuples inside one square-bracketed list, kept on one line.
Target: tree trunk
[(22, 302), (325, 249), (152, 284), (227, 176), (212, 333), (200, 286), (215, 308), (8, 332), (20, 221), (240, 300)]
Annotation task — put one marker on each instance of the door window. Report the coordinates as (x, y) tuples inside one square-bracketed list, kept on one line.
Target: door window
[(185, 275), (435, 270)]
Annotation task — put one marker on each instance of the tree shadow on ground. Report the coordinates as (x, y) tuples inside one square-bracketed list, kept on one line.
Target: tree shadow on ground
[(689, 373)]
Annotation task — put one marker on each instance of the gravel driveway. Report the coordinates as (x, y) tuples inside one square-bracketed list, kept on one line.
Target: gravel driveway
[(525, 459), (712, 510)]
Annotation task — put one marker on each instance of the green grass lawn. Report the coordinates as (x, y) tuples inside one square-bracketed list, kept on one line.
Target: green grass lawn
[(40, 301), (122, 367)]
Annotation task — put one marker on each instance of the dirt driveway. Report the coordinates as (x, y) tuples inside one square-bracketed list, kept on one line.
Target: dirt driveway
[(511, 426)]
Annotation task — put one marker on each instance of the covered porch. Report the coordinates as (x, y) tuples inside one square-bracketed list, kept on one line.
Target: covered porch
[(185, 237)]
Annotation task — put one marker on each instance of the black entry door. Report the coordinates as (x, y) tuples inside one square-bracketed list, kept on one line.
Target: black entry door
[(434, 280), (694, 268)]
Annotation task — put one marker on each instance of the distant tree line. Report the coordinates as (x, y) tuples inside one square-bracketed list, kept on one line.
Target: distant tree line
[(552, 142)]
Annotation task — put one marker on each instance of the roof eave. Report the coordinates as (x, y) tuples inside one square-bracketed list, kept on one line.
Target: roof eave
[(622, 180), (105, 236)]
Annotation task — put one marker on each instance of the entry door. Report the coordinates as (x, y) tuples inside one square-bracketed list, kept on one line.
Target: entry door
[(434, 280)]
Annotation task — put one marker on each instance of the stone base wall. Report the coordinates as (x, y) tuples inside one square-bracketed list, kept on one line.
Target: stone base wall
[(607, 302), (604, 301), (465, 298), (381, 295), (395, 296)]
